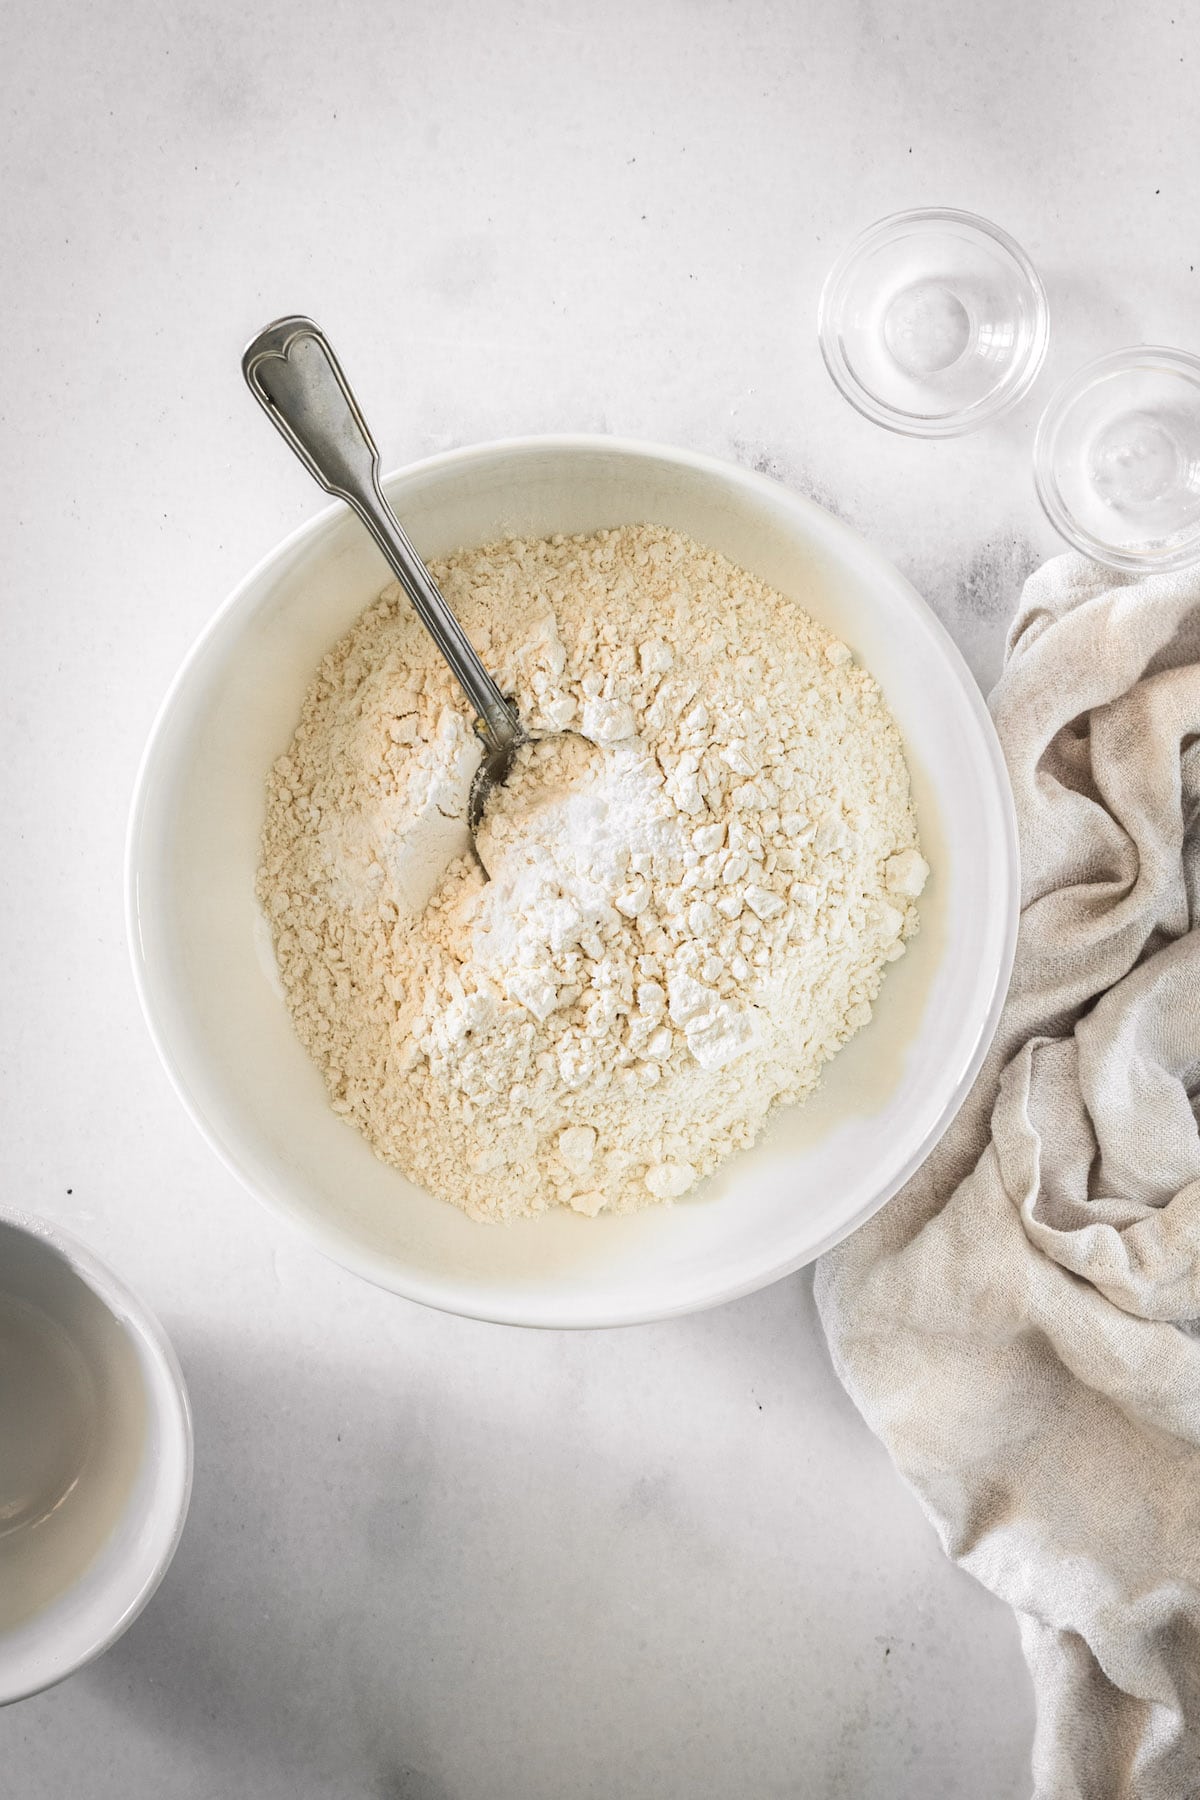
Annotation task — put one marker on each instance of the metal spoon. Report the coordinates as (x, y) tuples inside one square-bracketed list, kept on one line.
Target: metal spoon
[(294, 375)]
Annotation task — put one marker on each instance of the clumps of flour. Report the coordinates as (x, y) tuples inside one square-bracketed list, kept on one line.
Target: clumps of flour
[(695, 880)]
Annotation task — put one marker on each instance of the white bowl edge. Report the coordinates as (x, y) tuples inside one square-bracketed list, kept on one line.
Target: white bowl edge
[(172, 1407)]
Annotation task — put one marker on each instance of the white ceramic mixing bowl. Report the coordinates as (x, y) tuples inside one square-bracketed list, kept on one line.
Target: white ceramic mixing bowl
[(95, 1456), (206, 978)]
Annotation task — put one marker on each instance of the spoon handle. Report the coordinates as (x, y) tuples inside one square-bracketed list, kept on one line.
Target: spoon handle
[(292, 372)]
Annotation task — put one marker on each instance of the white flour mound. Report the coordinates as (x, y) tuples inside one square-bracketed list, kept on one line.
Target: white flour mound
[(694, 890)]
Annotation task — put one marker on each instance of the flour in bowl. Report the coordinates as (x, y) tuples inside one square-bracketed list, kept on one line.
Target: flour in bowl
[(696, 877)]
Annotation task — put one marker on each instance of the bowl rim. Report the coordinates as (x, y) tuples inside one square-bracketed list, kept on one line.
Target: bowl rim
[(525, 1309), (999, 400), (171, 1402), (1066, 395)]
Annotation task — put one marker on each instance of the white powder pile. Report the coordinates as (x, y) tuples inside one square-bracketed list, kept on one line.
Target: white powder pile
[(694, 890)]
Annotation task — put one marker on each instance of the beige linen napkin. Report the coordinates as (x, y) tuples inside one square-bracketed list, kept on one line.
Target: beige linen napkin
[(1016, 1324)]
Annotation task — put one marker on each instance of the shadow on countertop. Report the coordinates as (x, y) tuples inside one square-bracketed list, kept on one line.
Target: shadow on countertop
[(470, 1573)]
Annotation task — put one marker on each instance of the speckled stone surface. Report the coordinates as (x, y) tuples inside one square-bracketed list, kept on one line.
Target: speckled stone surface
[(428, 1559)]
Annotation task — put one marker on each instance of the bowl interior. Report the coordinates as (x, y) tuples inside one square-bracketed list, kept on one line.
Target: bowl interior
[(202, 955), (95, 1459)]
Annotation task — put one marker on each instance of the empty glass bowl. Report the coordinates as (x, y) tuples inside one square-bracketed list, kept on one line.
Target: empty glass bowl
[(1117, 459), (933, 322)]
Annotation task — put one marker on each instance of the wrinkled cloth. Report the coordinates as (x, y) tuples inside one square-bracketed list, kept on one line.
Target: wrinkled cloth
[(1021, 1324)]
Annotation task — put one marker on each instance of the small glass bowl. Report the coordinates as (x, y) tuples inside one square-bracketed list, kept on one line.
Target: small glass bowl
[(933, 323), (1117, 459)]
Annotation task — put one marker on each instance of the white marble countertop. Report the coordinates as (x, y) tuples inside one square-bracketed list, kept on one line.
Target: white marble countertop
[(429, 1559)]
